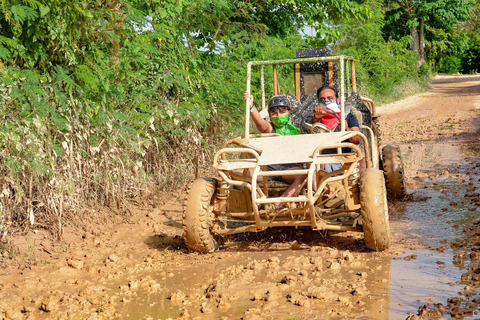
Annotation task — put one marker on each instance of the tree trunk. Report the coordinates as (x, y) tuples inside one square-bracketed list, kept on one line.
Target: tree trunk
[(415, 43), (421, 47), (418, 43)]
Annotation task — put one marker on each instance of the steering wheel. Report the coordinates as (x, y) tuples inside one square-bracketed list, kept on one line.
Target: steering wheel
[(318, 127)]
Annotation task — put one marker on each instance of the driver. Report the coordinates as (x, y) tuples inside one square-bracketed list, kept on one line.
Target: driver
[(280, 122), (328, 97)]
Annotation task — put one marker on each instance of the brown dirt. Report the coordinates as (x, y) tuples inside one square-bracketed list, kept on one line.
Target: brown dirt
[(139, 268)]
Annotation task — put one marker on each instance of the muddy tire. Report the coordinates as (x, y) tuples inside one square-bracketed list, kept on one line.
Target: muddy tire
[(393, 171), (376, 130), (374, 210), (197, 216)]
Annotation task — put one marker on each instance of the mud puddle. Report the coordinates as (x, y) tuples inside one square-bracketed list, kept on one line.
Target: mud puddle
[(426, 275), (420, 277), (308, 275), (439, 207), (305, 274), (273, 285)]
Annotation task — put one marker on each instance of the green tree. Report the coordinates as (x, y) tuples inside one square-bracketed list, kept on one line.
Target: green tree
[(411, 17), (42, 34), (471, 56)]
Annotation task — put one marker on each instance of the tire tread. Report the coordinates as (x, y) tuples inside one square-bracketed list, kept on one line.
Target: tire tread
[(393, 171), (374, 210), (196, 215)]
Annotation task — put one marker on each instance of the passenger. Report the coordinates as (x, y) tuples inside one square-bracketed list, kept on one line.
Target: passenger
[(328, 97), (279, 111), (280, 122)]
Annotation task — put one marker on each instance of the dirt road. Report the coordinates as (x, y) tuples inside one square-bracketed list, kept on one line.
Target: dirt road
[(140, 268)]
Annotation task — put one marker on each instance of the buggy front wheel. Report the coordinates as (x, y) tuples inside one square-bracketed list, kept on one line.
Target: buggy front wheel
[(374, 210), (198, 215)]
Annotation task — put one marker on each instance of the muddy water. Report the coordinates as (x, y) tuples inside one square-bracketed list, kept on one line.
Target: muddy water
[(426, 275), (434, 217), (249, 285), (271, 275), (249, 273)]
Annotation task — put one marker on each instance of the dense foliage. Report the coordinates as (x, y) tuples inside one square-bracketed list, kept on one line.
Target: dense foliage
[(105, 101), (442, 31)]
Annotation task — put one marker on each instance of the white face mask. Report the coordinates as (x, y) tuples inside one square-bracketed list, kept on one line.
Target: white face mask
[(332, 105)]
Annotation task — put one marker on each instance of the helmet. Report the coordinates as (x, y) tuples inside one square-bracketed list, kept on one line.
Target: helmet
[(278, 101)]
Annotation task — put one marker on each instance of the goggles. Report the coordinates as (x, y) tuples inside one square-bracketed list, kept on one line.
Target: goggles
[(281, 109)]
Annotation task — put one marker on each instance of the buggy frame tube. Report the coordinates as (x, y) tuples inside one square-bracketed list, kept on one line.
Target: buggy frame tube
[(264, 225), (354, 81), (374, 147), (370, 104), (342, 94), (276, 84), (262, 85), (254, 197), (247, 106)]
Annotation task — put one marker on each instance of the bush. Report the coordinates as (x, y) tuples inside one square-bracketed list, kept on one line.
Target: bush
[(471, 57), (386, 71), (449, 64)]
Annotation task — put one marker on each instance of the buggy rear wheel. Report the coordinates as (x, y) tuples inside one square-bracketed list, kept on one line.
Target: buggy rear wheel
[(374, 210), (393, 171), (377, 131), (198, 214)]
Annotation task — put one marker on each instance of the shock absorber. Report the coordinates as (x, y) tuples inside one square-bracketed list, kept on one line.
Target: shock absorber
[(353, 179), (221, 196)]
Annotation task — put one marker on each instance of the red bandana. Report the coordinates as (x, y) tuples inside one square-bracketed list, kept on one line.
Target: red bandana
[(330, 120)]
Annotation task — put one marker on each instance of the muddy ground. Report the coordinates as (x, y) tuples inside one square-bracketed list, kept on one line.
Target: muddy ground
[(139, 267)]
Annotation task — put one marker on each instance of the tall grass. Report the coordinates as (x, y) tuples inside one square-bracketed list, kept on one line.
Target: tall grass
[(66, 147)]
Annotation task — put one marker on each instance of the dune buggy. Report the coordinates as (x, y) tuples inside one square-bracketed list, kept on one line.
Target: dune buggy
[(240, 199)]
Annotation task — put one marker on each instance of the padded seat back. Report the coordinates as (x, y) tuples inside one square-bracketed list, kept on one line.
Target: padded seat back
[(357, 104)]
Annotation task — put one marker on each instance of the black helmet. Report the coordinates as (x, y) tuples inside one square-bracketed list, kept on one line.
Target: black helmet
[(278, 101)]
